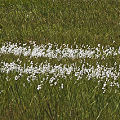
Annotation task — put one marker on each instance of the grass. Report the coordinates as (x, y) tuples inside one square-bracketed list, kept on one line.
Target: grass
[(87, 22)]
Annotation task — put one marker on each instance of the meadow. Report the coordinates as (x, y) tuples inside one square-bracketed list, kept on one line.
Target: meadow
[(59, 60)]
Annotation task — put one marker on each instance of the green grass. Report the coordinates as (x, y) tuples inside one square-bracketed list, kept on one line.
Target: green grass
[(89, 22), (84, 101), (86, 22)]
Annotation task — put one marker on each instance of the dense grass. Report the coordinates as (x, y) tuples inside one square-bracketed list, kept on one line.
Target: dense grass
[(86, 22), (84, 100), (89, 22)]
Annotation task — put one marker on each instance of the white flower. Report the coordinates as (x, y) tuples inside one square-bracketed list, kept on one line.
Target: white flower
[(62, 86), (39, 87)]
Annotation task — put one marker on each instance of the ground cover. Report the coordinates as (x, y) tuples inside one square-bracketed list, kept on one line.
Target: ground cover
[(59, 60)]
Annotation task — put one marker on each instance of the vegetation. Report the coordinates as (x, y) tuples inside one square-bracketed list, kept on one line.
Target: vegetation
[(88, 22)]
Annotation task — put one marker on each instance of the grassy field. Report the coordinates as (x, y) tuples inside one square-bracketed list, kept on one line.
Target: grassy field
[(72, 22)]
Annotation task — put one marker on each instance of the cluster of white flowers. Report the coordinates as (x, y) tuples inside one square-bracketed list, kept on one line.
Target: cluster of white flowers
[(55, 72), (62, 71), (53, 51)]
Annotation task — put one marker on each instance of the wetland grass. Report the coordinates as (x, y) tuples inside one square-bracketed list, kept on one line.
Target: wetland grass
[(59, 60)]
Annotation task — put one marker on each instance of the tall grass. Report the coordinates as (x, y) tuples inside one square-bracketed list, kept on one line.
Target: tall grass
[(88, 22)]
